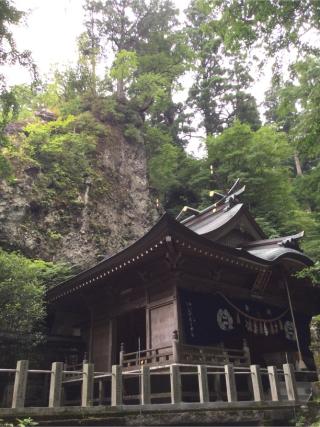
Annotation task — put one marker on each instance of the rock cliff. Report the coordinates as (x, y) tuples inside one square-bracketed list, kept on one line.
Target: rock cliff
[(102, 220)]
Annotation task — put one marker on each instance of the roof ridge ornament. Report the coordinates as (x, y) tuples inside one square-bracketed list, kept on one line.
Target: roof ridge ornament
[(291, 241), (188, 208), (225, 201)]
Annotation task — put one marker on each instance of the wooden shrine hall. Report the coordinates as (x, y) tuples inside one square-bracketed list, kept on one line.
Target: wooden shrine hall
[(209, 289)]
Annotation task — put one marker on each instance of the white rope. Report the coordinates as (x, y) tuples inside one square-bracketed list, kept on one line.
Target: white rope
[(257, 319)]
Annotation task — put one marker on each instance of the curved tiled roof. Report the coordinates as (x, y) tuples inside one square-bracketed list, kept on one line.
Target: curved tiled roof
[(162, 232), (277, 253), (214, 223)]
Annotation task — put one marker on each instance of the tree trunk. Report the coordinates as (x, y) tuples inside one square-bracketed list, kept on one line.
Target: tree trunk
[(120, 89), (94, 74), (298, 164)]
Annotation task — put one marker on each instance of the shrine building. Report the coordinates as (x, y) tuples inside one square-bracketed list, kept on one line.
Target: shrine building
[(211, 289)]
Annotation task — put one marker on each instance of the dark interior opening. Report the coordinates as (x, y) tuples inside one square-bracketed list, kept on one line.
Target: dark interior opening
[(131, 327)]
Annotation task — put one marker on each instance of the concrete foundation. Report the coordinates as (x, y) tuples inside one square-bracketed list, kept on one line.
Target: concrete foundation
[(187, 414)]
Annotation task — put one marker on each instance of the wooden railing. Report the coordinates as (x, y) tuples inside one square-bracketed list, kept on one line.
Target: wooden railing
[(158, 356), (213, 355), (183, 353), (207, 384)]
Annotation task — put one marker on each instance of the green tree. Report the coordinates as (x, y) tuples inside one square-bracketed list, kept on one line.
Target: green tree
[(122, 70), (259, 159), (221, 76), (128, 23), (147, 29), (22, 307), (178, 178), (89, 43), (274, 24), (9, 53), (295, 109)]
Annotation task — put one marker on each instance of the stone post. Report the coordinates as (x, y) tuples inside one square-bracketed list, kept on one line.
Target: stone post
[(203, 384), (55, 391), (256, 383), (230, 383), (175, 347), (20, 384), (145, 385), (175, 381), (290, 380), (87, 384), (116, 385), (274, 383)]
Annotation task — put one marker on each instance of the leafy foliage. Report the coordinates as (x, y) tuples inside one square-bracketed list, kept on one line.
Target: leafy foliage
[(151, 51), (259, 160), (22, 310), (221, 76)]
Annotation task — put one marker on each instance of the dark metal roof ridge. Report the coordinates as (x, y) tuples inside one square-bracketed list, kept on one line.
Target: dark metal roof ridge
[(267, 242), (243, 209), (223, 203), (287, 253), (189, 218)]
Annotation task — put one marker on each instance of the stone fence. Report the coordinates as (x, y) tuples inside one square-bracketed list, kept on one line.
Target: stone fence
[(178, 383)]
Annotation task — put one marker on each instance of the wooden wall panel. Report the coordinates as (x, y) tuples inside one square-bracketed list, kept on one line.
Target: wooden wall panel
[(160, 293), (101, 351), (162, 325)]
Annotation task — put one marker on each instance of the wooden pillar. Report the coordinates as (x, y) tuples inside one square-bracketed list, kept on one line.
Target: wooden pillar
[(55, 391), (290, 380), (217, 386), (116, 385), (203, 384), (148, 322), (230, 383), (177, 309), (101, 392), (87, 384), (274, 383), (20, 384), (256, 383), (246, 351), (122, 350), (145, 385), (110, 343), (175, 347), (90, 358), (175, 381)]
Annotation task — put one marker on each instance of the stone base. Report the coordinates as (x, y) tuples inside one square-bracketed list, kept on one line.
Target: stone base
[(184, 414)]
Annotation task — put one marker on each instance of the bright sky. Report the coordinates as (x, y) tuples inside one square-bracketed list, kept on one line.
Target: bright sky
[(50, 32)]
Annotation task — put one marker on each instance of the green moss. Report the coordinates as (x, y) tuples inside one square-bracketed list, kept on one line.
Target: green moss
[(54, 235)]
